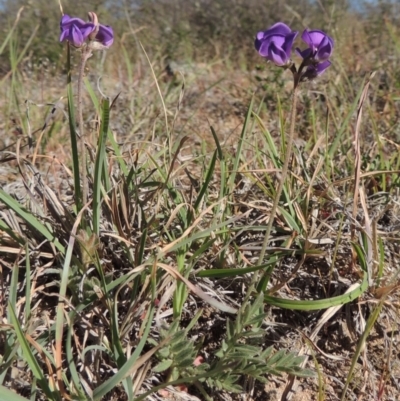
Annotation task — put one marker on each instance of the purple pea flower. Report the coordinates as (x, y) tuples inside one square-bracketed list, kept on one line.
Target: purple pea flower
[(320, 46), (105, 35), (316, 56), (75, 30), (275, 44), (314, 70)]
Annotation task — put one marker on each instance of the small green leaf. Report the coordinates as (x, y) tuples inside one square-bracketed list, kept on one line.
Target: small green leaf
[(250, 349), (163, 352), (266, 353), (162, 366), (256, 320), (186, 362), (230, 329), (276, 357)]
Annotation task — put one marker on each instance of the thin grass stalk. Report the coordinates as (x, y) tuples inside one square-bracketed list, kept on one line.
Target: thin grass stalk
[(282, 180), (10, 33), (100, 168), (357, 152), (28, 288), (362, 344)]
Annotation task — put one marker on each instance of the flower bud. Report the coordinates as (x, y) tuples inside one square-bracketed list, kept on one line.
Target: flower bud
[(94, 20)]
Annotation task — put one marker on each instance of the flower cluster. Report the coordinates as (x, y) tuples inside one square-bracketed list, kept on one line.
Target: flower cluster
[(77, 32), (275, 44)]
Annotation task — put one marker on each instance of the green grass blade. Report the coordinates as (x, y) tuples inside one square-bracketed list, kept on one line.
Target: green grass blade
[(124, 371), (273, 155), (323, 303), (110, 136), (345, 124), (236, 162), (185, 240), (26, 47), (141, 248), (92, 95), (29, 357), (361, 343), (27, 309), (8, 395), (218, 145), (320, 303), (64, 279), (207, 181), (223, 273), (361, 253), (11, 31), (100, 168), (13, 289), (290, 220), (72, 370), (30, 219), (271, 148), (118, 154), (9, 355)]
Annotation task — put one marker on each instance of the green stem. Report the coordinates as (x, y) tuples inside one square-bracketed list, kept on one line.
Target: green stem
[(86, 53), (284, 173)]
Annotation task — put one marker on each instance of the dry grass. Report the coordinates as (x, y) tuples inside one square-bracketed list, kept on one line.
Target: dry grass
[(189, 213)]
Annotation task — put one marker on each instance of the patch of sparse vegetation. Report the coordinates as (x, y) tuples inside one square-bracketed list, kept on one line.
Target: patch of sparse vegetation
[(151, 281)]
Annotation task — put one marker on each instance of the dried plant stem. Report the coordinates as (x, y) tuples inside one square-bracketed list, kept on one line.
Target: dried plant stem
[(86, 53), (284, 172)]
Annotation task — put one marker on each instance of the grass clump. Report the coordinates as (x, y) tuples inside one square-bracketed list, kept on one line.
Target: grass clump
[(225, 234)]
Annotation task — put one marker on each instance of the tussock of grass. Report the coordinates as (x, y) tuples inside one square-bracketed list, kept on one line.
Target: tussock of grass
[(146, 291)]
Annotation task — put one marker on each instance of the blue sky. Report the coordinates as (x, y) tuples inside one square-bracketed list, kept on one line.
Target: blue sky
[(358, 3)]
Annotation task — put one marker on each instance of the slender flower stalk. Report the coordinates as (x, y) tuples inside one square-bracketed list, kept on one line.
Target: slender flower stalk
[(275, 45), (86, 54), (87, 37)]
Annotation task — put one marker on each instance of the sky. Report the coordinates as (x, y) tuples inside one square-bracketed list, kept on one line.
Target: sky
[(357, 4)]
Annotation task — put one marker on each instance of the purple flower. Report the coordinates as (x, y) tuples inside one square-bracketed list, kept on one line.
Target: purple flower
[(316, 56), (105, 35), (75, 30), (275, 44), (314, 70), (320, 46)]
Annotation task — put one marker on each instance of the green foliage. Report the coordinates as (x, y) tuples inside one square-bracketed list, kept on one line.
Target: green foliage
[(241, 353), (178, 356)]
